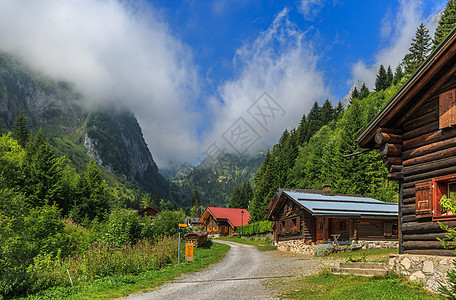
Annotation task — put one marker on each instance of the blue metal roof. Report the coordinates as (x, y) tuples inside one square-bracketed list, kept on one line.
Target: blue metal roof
[(343, 205)]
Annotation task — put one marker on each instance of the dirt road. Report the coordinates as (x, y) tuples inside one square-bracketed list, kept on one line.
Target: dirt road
[(241, 275)]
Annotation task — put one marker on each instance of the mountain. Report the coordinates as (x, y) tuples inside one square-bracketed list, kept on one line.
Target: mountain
[(215, 181), (111, 136)]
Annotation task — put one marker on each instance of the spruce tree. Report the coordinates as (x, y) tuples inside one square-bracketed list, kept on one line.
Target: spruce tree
[(302, 129), (327, 112), (20, 130), (398, 75), (355, 94), (419, 50), (389, 77), (446, 23), (381, 80), (363, 92)]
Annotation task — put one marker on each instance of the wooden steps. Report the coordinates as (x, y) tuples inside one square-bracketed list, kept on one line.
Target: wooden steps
[(360, 268)]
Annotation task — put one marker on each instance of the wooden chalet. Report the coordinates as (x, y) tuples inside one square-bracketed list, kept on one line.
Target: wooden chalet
[(222, 220), (312, 215), (416, 134), (148, 211)]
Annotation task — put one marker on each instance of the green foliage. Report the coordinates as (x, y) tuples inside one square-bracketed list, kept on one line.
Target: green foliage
[(20, 130), (282, 158), (419, 50), (216, 180), (166, 223), (255, 228), (381, 81), (448, 203), (446, 23), (242, 195)]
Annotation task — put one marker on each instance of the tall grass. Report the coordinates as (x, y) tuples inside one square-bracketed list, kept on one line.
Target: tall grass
[(102, 260)]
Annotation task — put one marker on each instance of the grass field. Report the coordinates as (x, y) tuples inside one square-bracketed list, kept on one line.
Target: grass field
[(119, 286), (329, 286)]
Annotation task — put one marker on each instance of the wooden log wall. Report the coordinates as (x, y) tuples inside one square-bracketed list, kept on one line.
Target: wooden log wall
[(427, 152), (372, 230), (307, 227), (389, 143)]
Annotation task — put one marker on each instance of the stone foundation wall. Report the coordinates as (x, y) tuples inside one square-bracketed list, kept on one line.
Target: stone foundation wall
[(429, 270), (375, 244), (299, 246), (296, 246)]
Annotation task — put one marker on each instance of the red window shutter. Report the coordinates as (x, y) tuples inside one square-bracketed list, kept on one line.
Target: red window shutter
[(423, 199), (447, 109), (298, 224)]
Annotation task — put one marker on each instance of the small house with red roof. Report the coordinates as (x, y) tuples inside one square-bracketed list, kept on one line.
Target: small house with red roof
[(222, 221)]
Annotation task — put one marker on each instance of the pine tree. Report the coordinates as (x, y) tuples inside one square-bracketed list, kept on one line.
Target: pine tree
[(301, 131), (446, 23), (381, 80), (355, 94), (389, 77), (20, 130), (327, 112), (339, 111), (154, 200), (363, 92), (398, 75), (419, 50)]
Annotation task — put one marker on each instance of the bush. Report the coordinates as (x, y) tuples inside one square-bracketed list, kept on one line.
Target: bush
[(167, 222), (123, 227), (256, 228), (323, 249)]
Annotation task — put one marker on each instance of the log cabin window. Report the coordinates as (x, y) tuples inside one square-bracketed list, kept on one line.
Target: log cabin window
[(447, 109), (428, 195)]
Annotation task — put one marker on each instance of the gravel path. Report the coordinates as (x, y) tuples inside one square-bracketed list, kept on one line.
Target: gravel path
[(241, 275)]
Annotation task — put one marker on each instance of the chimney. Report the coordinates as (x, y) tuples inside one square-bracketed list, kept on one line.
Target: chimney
[(327, 189)]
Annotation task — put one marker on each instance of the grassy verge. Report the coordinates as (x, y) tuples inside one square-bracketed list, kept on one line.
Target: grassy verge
[(119, 286), (263, 244), (370, 255), (330, 286)]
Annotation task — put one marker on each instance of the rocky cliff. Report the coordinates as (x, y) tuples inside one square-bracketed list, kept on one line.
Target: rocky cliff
[(112, 137)]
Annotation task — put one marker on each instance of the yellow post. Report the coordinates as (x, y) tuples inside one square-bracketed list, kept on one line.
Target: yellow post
[(189, 252)]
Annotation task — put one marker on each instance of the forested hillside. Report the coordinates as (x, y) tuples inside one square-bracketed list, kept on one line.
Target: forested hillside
[(215, 181)]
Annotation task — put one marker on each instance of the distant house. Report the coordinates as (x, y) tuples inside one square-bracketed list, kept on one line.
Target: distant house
[(316, 215), (416, 134), (222, 220), (148, 211), (192, 221)]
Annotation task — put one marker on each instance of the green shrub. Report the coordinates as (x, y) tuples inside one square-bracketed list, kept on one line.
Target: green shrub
[(323, 249), (167, 222), (122, 227), (256, 228)]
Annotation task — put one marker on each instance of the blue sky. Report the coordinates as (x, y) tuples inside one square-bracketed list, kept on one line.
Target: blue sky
[(343, 32), (194, 72)]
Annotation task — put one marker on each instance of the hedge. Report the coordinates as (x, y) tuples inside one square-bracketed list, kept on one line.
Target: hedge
[(256, 228)]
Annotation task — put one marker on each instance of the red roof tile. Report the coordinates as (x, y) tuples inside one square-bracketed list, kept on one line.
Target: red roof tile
[(233, 215)]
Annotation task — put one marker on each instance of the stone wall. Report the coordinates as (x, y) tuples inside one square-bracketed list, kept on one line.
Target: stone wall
[(375, 244), (429, 270), (296, 246), (299, 246)]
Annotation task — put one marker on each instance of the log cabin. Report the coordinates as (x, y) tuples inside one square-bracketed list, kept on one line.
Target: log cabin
[(148, 211), (222, 221), (313, 215), (416, 134)]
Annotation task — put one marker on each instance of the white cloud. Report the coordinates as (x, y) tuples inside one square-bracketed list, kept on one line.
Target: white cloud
[(112, 50), (281, 62), (310, 8), (402, 28)]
